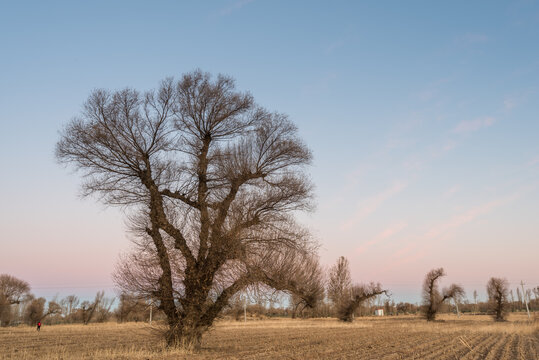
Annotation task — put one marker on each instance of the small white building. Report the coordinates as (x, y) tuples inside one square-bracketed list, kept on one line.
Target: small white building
[(379, 312)]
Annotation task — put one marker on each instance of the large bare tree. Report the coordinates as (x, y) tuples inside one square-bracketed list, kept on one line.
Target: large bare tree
[(433, 298), (498, 294), (210, 182)]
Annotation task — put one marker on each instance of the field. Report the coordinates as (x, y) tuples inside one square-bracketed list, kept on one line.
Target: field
[(403, 337)]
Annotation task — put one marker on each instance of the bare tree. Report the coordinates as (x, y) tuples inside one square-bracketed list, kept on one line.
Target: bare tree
[(339, 282), (13, 290), (475, 301), (432, 298), (347, 297), (102, 311), (5, 312), (131, 308), (88, 309), (69, 306), (498, 292), (359, 293), (35, 311), (210, 182)]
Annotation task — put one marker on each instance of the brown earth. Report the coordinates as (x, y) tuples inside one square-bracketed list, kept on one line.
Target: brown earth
[(402, 337)]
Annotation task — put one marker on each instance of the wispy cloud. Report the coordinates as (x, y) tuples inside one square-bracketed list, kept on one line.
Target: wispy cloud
[(449, 145), (234, 7), (419, 246), (319, 85), (451, 191), (391, 230), (533, 161), (372, 204), (334, 46), (509, 103), (474, 38), (466, 127)]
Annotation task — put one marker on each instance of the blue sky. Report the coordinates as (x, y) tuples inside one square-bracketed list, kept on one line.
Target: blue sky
[(422, 117)]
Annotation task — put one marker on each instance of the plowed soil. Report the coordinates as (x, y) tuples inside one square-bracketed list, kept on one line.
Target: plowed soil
[(402, 337)]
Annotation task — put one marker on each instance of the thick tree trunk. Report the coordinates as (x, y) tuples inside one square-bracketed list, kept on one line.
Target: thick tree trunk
[(186, 329), (430, 314), (185, 336), (499, 309)]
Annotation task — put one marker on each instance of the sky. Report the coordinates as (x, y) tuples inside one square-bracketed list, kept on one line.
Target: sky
[(423, 118)]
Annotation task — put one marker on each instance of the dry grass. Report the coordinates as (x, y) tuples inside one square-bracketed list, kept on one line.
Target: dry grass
[(403, 337)]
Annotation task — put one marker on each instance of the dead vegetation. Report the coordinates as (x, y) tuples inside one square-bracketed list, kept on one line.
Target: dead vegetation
[(402, 337)]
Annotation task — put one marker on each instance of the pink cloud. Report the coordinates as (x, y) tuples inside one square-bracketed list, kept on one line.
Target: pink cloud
[(466, 217), (533, 161), (387, 233), (451, 191), (466, 127), (417, 248), (372, 204), (450, 145)]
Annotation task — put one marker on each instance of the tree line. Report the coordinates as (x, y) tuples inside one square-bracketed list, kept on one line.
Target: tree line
[(19, 306), (339, 297)]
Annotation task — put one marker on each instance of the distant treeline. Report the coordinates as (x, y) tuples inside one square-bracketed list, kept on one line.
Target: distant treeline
[(19, 306), (367, 308)]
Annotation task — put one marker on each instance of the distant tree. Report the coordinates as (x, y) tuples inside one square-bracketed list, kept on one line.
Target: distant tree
[(35, 311), (13, 290), (359, 293), (102, 311), (88, 309), (406, 308), (6, 315), (432, 298), (69, 306), (475, 301), (339, 282), (53, 308), (211, 182), (131, 308), (498, 291), (389, 307)]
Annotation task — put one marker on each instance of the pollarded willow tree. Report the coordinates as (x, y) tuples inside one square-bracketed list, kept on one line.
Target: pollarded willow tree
[(210, 182), (498, 294), (345, 296), (433, 298)]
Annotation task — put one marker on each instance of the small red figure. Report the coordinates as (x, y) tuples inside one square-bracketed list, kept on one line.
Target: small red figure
[(38, 325)]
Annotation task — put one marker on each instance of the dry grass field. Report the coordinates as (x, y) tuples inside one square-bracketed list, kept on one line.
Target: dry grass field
[(403, 337)]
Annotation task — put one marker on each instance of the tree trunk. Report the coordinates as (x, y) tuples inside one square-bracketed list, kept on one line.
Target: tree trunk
[(188, 337)]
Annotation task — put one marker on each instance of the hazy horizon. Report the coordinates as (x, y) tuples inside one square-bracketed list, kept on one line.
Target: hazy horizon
[(422, 118)]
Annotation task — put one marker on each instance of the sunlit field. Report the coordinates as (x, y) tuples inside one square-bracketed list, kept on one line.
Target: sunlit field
[(402, 337)]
